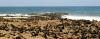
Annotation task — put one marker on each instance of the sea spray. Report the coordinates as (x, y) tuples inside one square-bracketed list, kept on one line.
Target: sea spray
[(82, 17)]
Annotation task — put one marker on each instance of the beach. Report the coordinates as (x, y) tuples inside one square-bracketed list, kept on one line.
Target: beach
[(50, 26), (49, 19), (63, 22)]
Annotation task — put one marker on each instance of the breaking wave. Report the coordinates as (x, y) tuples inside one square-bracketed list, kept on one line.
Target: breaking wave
[(75, 17)]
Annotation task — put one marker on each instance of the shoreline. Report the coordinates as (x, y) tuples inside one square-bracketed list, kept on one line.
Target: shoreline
[(38, 27), (73, 17)]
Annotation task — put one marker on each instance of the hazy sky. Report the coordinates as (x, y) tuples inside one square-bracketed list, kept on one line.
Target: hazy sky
[(49, 2)]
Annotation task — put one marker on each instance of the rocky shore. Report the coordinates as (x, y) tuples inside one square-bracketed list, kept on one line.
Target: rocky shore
[(50, 27)]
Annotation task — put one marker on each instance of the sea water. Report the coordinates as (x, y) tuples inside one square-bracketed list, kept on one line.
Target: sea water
[(74, 11)]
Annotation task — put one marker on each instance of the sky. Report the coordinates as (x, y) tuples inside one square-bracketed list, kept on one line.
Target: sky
[(49, 2)]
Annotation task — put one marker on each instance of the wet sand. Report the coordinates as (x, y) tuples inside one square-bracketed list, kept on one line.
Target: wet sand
[(49, 28)]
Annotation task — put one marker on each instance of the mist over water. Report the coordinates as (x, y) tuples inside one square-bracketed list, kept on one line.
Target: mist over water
[(72, 10)]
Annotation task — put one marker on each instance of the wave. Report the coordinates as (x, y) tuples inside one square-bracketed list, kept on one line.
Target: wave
[(14, 15), (65, 15), (74, 17)]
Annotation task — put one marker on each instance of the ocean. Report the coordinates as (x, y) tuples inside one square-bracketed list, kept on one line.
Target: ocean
[(72, 10)]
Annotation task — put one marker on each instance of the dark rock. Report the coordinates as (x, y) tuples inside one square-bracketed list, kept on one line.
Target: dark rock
[(18, 37)]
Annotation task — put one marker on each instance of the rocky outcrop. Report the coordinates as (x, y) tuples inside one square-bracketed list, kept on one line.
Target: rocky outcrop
[(40, 28)]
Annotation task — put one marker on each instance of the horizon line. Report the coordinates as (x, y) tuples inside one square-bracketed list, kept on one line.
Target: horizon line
[(35, 6)]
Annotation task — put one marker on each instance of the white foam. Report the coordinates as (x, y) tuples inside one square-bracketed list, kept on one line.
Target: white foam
[(3, 14), (82, 17), (14, 15)]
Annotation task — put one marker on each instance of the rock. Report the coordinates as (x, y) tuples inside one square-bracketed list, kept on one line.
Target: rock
[(41, 28), (18, 37)]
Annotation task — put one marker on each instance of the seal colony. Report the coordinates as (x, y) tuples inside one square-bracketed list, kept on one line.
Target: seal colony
[(48, 26)]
